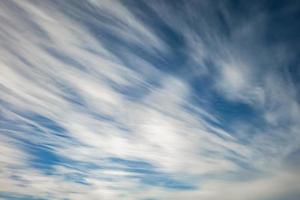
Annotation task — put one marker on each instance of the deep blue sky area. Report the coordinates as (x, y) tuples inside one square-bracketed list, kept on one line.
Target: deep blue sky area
[(149, 100)]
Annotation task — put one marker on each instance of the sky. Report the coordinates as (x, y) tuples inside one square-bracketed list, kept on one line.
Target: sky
[(149, 100)]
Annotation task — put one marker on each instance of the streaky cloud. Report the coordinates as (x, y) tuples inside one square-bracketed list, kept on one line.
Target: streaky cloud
[(149, 100)]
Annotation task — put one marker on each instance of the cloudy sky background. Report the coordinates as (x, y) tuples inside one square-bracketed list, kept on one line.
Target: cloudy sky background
[(149, 100)]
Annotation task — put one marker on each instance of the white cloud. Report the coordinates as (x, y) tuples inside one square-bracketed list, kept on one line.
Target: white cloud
[(156, 128)]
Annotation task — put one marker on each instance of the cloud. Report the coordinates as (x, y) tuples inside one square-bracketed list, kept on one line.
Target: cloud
[(111, 100)]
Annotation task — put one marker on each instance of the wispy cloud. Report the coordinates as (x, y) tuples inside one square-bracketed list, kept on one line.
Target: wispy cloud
[(144, 100)]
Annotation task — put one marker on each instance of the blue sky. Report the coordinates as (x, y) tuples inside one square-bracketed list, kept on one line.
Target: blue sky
[(145, 100)]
